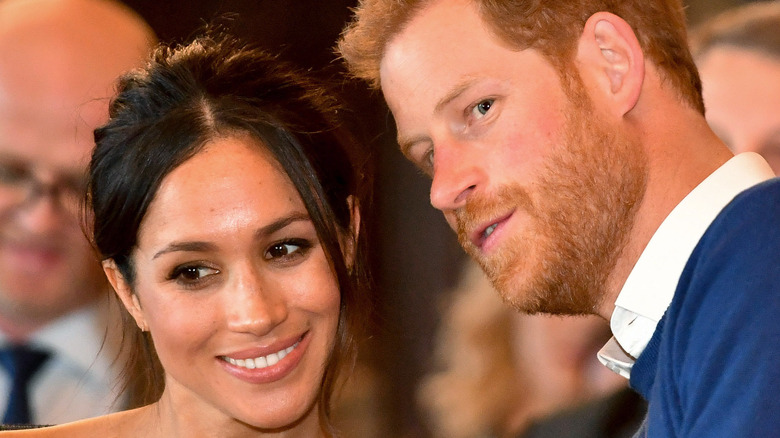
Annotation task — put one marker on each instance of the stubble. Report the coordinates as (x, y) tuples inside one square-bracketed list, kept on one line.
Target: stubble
[(577, 218)]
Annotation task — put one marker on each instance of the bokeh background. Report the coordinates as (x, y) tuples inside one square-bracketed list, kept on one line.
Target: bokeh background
[(415, 256)]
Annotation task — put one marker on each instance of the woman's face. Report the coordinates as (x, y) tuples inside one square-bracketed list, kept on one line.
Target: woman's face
[(235, 289)]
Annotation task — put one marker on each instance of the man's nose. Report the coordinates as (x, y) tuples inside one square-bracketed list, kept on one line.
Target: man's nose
[(457, 174), (41, 214)]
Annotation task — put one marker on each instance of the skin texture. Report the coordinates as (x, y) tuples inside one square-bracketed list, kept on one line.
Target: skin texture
[(228, 264), (58, 62), (742, 93), (576, 171)]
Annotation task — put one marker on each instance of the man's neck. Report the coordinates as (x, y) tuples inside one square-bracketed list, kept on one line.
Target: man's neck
[(682, 151)]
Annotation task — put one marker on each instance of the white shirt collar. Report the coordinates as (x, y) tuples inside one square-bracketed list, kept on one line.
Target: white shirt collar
[(87, 340), (650, 286)]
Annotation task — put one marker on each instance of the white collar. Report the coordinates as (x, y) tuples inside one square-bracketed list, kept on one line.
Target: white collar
[(86, 340), (650, 286)]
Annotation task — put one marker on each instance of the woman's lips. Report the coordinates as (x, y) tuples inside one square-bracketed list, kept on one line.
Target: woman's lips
[(258, 367), (261, 361)]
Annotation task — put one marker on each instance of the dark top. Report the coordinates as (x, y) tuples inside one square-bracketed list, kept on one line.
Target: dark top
[(615, 416), (712, 367)]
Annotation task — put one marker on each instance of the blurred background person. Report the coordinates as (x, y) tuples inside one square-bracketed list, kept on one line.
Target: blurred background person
[(499, 370), (738, 56), (58, 63)]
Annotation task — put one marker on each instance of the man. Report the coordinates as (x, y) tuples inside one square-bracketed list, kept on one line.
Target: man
[(569, 151), (738, 55), (58, 63)]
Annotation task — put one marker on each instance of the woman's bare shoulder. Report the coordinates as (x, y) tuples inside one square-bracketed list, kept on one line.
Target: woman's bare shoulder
[(118, 425)]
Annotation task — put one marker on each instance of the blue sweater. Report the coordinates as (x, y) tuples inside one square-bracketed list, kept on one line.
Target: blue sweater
[(712, 367)]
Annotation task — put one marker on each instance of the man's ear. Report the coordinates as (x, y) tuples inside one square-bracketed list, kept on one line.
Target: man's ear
[(611, 59), (349, 241), (125, 293)]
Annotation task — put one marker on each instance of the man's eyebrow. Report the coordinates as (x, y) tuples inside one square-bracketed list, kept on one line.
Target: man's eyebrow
[(453, 94), (406, 143), (200, 246)]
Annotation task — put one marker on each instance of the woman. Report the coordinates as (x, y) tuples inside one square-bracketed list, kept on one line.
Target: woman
[(226, 211)]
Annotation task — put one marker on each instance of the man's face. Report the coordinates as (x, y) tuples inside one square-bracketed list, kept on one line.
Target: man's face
[(540, 192), (46, 264), (741, 91)]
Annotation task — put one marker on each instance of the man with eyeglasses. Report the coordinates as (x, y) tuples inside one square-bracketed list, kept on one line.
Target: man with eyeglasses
[(58, 63)]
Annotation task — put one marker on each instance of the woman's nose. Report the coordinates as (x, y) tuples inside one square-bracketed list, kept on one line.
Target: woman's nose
[(257, 306)]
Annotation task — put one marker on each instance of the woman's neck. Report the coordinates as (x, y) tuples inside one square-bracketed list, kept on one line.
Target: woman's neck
[(170, 417)]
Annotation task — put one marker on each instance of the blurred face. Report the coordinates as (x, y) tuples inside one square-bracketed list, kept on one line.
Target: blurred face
[(235, 289), (59, 64), (742, 94), (46, 264), (538, 191), (568, 347)]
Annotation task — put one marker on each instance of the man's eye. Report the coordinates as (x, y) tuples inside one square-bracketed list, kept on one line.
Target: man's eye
[(287, 250), (10, 174), (481, 109), (427, 160), (74, 186)]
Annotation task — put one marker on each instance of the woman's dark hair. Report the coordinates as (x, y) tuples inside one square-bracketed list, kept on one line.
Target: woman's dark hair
[(217, 86)]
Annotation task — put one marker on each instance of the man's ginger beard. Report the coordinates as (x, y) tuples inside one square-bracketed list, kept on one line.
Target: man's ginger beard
[(576, 219)]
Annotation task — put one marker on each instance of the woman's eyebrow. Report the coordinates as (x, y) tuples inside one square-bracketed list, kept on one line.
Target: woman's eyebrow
[(195, 246), (282, 222), (200, 246)]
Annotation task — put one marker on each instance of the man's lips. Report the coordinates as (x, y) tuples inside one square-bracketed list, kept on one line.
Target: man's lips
[(31, 255), (481, 234)]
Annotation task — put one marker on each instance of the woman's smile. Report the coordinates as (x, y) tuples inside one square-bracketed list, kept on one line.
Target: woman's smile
[(266, 368)]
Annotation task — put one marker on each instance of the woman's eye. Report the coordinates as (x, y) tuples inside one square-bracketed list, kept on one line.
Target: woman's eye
[(286, 250), (481, 109), (192, 274)]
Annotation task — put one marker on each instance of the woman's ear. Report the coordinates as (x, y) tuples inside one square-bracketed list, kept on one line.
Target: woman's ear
[(611, 60), (349, 242), (125, 293)]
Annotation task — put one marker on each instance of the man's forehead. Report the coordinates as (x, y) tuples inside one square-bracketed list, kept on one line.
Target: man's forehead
[(441, 52), (60, 139)]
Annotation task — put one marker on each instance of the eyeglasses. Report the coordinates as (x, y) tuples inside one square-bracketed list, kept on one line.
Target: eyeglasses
[(19, 186)]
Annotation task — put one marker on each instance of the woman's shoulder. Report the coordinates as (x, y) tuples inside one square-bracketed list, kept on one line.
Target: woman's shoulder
[(115, 425), (5, 427)]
